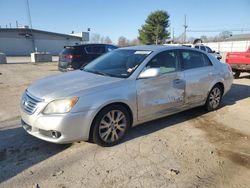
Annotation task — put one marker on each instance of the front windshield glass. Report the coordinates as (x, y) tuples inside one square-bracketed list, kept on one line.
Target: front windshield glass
[(117, 63)]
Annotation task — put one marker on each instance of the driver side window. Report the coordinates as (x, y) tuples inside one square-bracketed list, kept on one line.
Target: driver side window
[(167, 62)]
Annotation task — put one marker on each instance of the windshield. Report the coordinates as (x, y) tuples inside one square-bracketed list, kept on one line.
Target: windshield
[(118, 63)]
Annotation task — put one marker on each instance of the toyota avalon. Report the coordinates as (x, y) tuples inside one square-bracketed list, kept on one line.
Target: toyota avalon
[(122, 89)]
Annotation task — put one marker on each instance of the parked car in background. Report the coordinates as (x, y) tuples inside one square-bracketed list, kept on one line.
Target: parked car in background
[(120, 89), (239, 61), (208, 50), (74, 57)]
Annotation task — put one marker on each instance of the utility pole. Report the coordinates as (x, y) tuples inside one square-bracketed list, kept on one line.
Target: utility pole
[(185, 28), (31, 31), (16, 24), (173, 34)]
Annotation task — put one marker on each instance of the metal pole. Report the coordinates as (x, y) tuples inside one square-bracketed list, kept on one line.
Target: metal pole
[(185, 28), (31, 30)]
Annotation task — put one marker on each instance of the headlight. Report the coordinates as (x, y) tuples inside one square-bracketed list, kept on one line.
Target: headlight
[(60, 106)]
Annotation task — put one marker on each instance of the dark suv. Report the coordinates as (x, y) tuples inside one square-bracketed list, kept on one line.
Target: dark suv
[(74, 57)]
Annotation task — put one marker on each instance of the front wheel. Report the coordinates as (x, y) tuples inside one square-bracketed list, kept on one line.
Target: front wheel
[(214, 98), (110, 125)]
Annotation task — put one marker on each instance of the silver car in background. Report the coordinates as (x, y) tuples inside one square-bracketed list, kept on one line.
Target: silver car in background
[(122, 89)]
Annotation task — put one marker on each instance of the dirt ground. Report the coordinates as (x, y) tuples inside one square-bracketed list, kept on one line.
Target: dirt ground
[(190, 149)]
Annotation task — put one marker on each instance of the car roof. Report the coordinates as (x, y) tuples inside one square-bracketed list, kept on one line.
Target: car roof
[(92, 44), (156, 47)]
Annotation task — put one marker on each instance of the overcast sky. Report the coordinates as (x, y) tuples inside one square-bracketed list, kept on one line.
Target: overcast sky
[(115, 18)]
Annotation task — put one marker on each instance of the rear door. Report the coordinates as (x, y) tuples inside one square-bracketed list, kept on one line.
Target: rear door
[(198, 73)]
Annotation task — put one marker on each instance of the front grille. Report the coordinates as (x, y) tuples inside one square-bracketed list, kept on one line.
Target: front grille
[(30, 102)]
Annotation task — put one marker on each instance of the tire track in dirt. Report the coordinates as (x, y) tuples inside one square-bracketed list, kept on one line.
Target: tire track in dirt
[(230, 143)]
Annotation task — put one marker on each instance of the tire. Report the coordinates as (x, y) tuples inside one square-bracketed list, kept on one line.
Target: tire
[(110, 125), (236, 74), (214, 98)]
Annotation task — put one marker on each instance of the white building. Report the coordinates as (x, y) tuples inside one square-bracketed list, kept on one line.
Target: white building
[(23, 41)]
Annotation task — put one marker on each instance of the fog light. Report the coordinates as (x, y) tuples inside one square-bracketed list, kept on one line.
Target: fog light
[(55, 134)]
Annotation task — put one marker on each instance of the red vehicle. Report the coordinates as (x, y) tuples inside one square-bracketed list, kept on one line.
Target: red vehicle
[(239, 61)]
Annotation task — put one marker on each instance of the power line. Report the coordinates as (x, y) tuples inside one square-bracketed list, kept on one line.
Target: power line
[(219, 30)]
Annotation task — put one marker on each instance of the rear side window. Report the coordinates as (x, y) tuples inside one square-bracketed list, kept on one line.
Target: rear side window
[(209, 50), (193, 59), (203, 48), (72, 50), (95, 49)]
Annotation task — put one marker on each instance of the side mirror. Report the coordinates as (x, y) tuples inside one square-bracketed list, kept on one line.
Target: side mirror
[(150, 73), (213, 51)]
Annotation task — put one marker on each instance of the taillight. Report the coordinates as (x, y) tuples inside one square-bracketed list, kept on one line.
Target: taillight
[(70, 56)]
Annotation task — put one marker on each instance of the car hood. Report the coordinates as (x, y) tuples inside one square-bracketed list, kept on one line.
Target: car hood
[(68, 84)]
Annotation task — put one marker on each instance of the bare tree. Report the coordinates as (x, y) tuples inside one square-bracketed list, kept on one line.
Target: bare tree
[(134, 42), (95, 38), (225, 34), (107, 40), (122, 41), (204, 38)]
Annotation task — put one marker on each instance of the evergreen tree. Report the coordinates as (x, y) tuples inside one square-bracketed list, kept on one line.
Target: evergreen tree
[(154, 31)]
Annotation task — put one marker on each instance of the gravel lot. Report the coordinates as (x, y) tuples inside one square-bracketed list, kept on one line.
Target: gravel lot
[(190, 149)]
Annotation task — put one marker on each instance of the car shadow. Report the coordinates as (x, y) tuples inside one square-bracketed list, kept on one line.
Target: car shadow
[(238, 92), (243, 77), (19, 151)]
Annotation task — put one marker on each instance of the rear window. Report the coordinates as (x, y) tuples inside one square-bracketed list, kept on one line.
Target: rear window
[(95, 49), (71, 50)]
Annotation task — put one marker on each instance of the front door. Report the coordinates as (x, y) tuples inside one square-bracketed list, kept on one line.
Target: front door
[(163, 94)]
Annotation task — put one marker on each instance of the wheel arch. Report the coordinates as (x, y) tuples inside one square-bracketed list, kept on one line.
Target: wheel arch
[(105, 106), (217, 82)]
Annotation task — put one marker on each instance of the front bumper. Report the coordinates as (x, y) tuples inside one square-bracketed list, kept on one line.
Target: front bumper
[(71, 126)]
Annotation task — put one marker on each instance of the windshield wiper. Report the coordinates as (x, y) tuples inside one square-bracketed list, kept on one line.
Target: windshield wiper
[(95, 72)]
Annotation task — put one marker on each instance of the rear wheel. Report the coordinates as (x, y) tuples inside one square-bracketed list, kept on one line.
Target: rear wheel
[(110, 125), (236, 74), (214, 98)]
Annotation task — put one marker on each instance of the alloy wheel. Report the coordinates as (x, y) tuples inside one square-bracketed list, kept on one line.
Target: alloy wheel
[(215, 97), (112, 126)]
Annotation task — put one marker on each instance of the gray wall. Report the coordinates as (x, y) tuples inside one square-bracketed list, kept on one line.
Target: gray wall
[(14, 43)]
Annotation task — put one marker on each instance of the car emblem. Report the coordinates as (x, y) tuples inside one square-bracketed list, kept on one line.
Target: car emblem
[(25, 102)]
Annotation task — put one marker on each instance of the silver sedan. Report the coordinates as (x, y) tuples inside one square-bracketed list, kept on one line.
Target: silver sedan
[(122, 89)]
